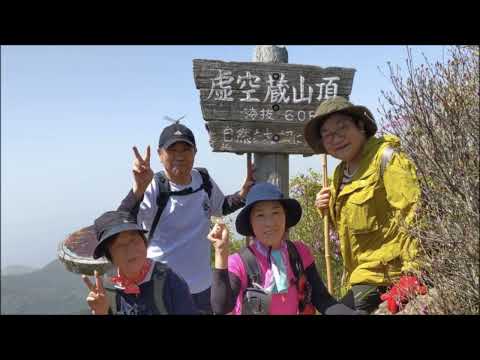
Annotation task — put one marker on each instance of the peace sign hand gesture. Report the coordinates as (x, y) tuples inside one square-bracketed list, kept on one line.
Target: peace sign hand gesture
[(142, 173), (96, 299)]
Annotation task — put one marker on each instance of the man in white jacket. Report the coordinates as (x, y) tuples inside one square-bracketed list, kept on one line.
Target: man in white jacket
[(186, 198)]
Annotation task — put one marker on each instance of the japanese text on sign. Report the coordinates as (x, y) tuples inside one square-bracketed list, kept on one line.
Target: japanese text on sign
[(277, 86)]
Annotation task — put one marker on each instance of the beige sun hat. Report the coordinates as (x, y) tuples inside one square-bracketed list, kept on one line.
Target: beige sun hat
[(311, 129)]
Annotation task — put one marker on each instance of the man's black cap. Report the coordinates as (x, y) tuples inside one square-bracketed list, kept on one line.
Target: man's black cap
[(175, 133)]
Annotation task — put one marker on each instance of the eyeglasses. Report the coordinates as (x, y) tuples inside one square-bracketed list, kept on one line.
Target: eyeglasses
[(327, 136)]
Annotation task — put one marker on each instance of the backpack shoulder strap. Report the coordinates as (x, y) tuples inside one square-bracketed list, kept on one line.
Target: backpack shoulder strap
[(207, 184), (386, 157), (163, 187), (304, 288), (159, 281), (295, 260), (250, 261)]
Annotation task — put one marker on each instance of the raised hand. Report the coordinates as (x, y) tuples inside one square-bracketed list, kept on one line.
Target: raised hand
[(249, 180), (96, 299), (142, 173), (219, 238)]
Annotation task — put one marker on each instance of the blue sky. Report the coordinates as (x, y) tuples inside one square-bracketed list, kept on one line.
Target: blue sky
[(70, 115)]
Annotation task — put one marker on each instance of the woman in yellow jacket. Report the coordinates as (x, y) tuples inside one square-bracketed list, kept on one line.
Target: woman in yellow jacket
[(371, 199)]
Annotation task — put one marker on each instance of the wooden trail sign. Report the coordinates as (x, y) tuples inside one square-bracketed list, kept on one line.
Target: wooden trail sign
[(262, 107)]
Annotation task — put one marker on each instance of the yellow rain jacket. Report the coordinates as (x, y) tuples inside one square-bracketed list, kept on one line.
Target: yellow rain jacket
[(368, 214)]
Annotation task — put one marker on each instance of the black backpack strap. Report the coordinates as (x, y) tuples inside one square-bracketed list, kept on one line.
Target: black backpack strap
[(159, 278), (295, 260), (255, 301), (251, 266), (164, 193), (163, 188), (206, 183), (299, 272)]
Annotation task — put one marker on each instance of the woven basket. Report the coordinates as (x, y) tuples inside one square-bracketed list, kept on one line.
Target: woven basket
[(76, 253)]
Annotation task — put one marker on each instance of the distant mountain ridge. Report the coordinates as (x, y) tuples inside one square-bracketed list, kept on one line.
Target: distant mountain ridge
[(17, 270), (49, 290)]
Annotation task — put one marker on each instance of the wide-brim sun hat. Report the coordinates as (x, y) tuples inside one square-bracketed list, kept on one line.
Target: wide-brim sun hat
[(311, 130), (267, 192), (112, 223)]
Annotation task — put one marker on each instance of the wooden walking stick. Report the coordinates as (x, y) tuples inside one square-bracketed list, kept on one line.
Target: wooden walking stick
[(326, 235)]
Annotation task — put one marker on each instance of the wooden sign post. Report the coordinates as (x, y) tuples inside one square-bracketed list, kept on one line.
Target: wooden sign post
[(261, 107), (273, 168)]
